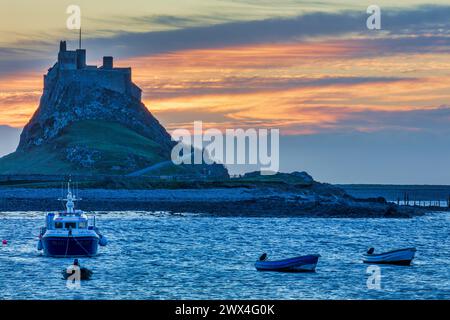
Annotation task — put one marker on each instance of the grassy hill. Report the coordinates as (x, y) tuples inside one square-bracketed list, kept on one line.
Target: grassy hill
[(87, 147)]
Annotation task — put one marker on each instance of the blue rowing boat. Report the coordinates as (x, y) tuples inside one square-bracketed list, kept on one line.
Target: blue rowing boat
[(306, 263), (401, 257)]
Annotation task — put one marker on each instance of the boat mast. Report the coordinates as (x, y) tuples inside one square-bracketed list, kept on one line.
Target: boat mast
[(70, 205)]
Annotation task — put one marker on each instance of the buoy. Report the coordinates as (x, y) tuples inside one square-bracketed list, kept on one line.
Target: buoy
[(4, 242), (103, 241)]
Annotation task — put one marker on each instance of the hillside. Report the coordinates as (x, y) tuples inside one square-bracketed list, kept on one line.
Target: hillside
[(87, 147)]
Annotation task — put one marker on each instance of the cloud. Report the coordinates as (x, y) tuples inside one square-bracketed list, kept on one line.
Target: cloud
[(19, 98), (432, 120), (243, 85), (25, 55), (317, 24), (411, 44), (159, 22), (429, 24)]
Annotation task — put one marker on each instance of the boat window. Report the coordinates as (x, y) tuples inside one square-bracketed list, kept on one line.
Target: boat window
[(58, 225), (82, 225), (72, 225)]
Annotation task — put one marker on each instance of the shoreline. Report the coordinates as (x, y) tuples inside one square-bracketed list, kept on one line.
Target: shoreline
[(226, 202)]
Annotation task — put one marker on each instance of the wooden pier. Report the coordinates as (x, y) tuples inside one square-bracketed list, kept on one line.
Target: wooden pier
[(413, 201)]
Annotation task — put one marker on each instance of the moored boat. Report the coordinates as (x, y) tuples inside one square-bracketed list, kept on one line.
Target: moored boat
[(85, 273), (305, 263), (402, 257), (69, 233)]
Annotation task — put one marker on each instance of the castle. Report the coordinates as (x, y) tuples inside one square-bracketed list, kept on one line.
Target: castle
[(71, 66)]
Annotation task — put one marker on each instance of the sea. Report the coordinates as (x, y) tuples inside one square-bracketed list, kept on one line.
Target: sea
[(157, 255)]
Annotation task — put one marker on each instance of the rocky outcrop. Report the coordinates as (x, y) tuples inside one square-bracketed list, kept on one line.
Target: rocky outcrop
[(293, 178), (229, 202), (66, 102)]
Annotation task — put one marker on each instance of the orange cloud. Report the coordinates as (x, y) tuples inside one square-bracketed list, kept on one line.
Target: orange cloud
[(19, 97), (298, 87)]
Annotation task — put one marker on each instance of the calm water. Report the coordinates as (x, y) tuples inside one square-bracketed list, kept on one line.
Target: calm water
[(160, 256)]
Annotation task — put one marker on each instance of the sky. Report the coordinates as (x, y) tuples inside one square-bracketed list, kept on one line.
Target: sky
[(353, 105)]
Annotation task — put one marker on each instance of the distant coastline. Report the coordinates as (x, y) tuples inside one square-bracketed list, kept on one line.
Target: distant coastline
[(281, 195), (221, 202)]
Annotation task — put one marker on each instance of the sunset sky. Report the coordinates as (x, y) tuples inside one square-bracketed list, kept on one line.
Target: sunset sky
[(353, 105)]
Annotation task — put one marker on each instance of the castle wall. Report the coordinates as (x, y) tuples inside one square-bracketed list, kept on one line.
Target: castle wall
[(50, 77), (68, 60), (136, 91), (118, 80), (81, 58)]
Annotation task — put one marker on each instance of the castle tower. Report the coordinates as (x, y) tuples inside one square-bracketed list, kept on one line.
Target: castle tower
[(71, 60), (108, 63), (62, 46), (72, 66), (81, 58)]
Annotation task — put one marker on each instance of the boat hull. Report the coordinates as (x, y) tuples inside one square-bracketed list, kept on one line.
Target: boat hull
[(401, 257), (298, 264), (70, 246)]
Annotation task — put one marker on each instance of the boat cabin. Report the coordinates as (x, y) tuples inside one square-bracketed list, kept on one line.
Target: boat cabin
[(70, 219)]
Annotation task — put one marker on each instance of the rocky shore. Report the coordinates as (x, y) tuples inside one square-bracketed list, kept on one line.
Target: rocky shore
[(232, 202)]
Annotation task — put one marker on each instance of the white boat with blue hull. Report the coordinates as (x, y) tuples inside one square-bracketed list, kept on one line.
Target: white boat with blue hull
[(69, 233)]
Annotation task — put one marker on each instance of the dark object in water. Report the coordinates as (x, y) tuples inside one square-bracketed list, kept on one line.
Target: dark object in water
[(298, 264), (371, 250), (85, 273), (263, 257)]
